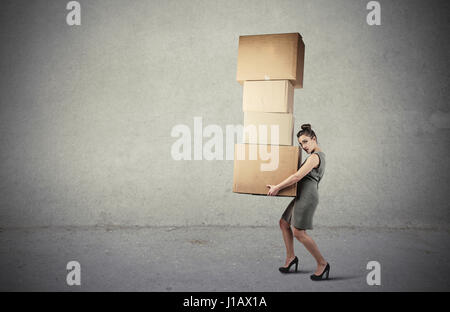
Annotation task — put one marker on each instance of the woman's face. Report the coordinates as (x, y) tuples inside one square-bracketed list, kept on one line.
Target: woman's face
[(307, 143)]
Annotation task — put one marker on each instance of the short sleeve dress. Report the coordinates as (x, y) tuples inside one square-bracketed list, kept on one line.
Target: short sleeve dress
[(299, 213)]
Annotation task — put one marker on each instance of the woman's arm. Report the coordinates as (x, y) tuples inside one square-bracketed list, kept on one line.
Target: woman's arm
[(309, 164)]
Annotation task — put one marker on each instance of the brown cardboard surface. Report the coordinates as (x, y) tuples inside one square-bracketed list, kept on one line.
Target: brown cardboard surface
[(250, 179), (276, 96), (271, 57), (259, 128)]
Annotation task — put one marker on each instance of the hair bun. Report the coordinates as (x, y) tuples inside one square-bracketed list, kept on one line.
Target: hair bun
[(306, 126)]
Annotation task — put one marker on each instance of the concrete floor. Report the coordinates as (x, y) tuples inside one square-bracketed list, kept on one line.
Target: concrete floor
[(219, 259)]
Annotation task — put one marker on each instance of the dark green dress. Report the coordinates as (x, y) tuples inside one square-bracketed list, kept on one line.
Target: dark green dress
[(299, 213)]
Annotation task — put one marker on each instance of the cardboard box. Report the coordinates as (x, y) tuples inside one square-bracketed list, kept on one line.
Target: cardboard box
[(276, 96), (271, 57), (268, 128), (249, 177)]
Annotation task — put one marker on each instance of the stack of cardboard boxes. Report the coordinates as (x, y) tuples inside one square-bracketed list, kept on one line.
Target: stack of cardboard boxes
[(269, 68)]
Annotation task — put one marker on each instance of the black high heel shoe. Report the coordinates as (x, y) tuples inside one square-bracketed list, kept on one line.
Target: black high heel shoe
[(322, 276), (286, 270)]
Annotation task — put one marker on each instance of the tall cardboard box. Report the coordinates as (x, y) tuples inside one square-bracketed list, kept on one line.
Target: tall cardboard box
[(271, 57), (276, 96), (259, 128), (251, 177)]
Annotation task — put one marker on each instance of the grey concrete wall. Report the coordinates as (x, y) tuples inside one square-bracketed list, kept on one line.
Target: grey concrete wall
[(87, 111)]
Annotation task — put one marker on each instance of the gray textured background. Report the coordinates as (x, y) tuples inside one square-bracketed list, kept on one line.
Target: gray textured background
[(87, 111)]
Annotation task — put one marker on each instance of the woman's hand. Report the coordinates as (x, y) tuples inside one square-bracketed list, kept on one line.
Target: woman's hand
[(273, 191)]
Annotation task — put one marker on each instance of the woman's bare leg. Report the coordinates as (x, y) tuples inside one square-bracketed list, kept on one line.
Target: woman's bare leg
[(288, 238), (311, 246)]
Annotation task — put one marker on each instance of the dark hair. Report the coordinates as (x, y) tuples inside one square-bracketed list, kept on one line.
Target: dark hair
[(306, 130)]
